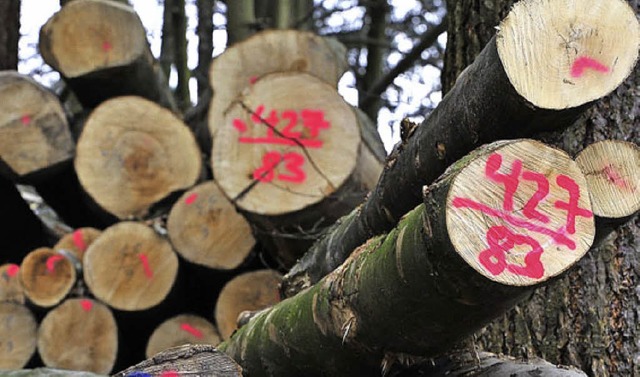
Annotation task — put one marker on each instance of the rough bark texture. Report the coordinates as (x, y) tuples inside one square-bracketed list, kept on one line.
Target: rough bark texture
[(9, 33), (589, 318), (483, 106), (204, 30), (377, 16)]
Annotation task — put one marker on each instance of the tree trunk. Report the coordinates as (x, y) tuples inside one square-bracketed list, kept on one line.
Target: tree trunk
[(429, 283), (179, 23), (241, 20), (9, 34), (205, 44), (588, 318), (496, 97)]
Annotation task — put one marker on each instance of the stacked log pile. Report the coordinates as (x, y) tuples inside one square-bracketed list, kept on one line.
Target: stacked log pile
[(181, 239)]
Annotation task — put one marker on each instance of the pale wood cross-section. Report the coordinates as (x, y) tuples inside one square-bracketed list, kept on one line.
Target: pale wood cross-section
[(100, 48), (10, 285), (179, 330), (250, 291), (133, 153), (205, 228), (242, 64), (34, 133), (130, 267), (77, 241), (612, 170), (47, 276), (561, 54), (18, 330), (288, 142), (80, 334), (520, 213)]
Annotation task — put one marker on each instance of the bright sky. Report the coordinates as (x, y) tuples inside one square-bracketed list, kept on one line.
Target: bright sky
[(36, 12)]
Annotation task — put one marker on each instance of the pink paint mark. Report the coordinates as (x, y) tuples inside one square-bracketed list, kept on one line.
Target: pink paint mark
[(25, 120), (191, 198), (106, 46), (170, 373), (253, 79), (571, 206), (510, 181), (558, 237), (12, 270), (240, 125), (614, 177), (86, 305), (583, 63), (145, 264), (52, 261), (78, 240), (530, 209), (308, 143), (191, 330)]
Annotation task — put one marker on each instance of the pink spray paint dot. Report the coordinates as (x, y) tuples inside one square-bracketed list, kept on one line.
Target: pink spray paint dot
[(239, 125), (78, 240), (52, 261), (25, 120), (170, 373), (614, 177), (583, 63), (106, 46), (191, 330), (145, 264), (86, 305), (253, 79), (12, 270), (191, 198)]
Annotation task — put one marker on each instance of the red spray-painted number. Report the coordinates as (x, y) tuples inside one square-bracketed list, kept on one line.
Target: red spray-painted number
[(292, 161), (501, 240)]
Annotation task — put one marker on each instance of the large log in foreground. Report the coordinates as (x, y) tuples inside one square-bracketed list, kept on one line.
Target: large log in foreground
[(101, 50), (501, 221), (576, 49)]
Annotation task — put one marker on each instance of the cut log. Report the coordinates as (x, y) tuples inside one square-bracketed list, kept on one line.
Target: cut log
[(80, 334), (501, 221), (10, 285), (77, 242), (578, 50), (47, 277), (196, 360), (47, 372), (34, 116), (205, 228), (269, 52), (250, 291), (130, 267), (18, 330), (485, 364), (133, 153), (101, 50), (613, 178), (180, 330), (276, 156)]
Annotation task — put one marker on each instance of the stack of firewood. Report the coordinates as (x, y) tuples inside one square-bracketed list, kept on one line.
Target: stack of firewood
[(175, 237)]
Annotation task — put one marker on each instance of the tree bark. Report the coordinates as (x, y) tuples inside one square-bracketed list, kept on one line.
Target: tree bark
[(183, 95), (487, 103), (9, 34), (586, 319), (204, 31), (241, 20), (426, 285)]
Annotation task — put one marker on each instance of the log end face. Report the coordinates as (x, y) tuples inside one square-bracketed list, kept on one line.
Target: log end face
[(561, 55), (18, 331), (47, 276), (613, 177), (520, 214), (179, 330)]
